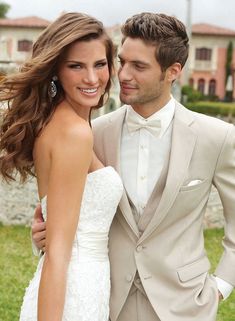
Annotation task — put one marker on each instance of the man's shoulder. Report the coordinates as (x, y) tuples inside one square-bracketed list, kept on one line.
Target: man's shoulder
[(202, 121), (109, 117)]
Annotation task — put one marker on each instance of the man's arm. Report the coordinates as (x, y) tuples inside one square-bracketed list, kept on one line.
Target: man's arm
[(224, 180)]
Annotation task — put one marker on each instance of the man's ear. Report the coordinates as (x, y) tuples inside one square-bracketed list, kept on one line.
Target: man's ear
[(173, 71)]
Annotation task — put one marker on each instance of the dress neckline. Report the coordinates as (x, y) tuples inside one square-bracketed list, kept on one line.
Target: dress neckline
[(88, 175)]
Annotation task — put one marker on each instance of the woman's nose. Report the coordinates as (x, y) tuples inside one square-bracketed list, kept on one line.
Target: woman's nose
[(91, 76)]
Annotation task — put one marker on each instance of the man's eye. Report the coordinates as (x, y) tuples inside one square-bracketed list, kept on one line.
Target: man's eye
[(140, 67), (121, 62)]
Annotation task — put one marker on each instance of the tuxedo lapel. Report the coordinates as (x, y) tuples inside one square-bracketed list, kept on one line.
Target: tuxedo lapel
[(112, 141), (182, 146)]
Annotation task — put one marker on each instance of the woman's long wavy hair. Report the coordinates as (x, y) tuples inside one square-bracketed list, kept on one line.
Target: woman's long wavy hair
[(25, 94)]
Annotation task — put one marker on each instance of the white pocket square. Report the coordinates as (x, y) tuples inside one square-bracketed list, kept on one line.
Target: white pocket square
[(194, 182)]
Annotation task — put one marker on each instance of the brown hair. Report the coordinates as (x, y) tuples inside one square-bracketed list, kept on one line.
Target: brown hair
[(29, 107), (167, 33)]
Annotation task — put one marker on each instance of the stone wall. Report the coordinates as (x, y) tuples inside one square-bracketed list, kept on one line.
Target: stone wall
[(17, 204)]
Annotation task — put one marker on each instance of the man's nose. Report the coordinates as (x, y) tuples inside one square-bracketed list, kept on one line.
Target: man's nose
[(124, 73)]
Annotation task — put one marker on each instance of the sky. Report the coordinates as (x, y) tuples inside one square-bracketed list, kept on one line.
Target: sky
[(111, 12)]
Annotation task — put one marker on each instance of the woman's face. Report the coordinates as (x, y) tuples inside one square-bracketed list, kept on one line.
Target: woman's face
[(83, 73)]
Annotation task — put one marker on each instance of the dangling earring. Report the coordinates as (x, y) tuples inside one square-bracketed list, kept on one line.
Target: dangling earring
[(52, 89)]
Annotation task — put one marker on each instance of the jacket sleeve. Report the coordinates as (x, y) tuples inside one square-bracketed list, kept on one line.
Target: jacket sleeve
[(224, 181)]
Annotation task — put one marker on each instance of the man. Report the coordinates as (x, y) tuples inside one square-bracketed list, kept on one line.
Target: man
[(168, 158)]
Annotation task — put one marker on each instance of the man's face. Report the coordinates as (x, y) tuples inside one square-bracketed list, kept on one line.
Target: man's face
[(141, 79)]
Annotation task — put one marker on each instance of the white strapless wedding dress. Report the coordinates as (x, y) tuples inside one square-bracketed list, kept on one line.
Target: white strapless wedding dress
[(88, 278)]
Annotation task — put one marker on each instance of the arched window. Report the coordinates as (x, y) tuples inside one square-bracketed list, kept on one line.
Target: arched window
[(212, 87), (203, 54), (201, 85), (25, 45)]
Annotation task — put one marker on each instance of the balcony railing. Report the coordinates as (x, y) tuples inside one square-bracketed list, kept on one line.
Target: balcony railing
[(203, 65)]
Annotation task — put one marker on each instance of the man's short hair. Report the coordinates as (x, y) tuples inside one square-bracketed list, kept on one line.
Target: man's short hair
[(166, 33)]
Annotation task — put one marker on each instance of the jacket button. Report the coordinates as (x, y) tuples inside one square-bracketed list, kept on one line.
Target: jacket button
[(139, 248), (128, 277)]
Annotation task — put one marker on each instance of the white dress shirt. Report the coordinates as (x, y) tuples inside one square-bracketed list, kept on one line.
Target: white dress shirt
[(142, 160), (143, 155)]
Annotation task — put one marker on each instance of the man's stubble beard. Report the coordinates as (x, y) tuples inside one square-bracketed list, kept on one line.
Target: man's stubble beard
[(145, 99), (142, 99)]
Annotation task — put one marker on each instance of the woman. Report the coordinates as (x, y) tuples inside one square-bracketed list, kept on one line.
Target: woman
[(46, 129)]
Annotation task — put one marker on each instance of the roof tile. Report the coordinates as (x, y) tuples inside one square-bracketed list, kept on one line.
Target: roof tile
[(208, 29), (30, 22)]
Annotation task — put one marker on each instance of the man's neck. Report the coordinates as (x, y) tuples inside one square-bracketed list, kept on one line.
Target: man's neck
[(146, 110)]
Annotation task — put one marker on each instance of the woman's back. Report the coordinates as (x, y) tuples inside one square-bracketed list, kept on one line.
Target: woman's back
[(63, 120)]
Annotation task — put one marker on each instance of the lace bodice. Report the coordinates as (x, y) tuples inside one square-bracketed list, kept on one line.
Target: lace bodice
[(102, 192)]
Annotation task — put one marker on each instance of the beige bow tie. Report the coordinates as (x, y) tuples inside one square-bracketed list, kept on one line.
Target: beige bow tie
[(152, 125)]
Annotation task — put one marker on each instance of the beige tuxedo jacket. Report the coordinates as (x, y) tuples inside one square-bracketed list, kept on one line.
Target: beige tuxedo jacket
[(169, 255)]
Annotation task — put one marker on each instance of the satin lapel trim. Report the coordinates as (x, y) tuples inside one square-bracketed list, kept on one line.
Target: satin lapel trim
[(183, 142), (112, 143)]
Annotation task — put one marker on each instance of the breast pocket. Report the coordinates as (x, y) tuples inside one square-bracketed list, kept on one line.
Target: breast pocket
[(193, 197), (198, 185)]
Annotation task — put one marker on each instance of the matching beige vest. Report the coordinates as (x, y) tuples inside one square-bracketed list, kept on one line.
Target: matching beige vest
[(143, 220)]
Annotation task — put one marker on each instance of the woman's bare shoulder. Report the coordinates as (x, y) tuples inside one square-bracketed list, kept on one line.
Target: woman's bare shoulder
[(72, 134), (66, 127)]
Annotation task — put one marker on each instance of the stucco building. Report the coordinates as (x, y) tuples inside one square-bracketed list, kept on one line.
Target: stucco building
[(16, 39), (207, 59)]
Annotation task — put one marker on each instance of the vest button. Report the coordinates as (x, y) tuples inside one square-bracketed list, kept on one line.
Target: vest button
[(138, 280), (139, 248)]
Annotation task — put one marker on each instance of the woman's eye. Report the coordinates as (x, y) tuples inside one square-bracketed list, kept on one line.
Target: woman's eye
[(101, 64), (75, 66)]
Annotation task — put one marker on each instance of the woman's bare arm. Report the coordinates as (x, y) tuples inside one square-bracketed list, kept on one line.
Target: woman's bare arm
[(71, 156)]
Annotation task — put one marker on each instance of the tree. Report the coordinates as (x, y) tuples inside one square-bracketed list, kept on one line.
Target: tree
[(228, 70), (4, 8)]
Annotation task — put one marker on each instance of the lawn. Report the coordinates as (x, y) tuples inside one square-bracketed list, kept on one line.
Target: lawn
[(17, 266)]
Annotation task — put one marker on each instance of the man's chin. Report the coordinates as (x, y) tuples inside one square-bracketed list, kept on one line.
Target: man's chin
[(125, 100)]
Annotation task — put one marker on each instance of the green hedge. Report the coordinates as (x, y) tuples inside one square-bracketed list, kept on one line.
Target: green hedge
[(213, 108)]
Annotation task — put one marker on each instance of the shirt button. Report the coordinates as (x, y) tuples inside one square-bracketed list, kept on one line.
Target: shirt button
[(128, 277), (142, 177)]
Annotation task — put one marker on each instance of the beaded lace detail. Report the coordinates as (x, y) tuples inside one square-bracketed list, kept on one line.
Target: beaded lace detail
[(88, 277)]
